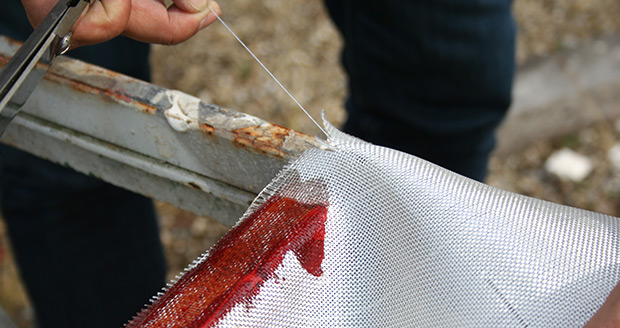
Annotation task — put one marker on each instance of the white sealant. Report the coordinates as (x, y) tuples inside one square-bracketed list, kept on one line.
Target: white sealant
[(183, 114)]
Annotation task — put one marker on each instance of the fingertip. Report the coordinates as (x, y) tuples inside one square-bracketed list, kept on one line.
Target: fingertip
[(214, 11), (214, 7), (151, 22)]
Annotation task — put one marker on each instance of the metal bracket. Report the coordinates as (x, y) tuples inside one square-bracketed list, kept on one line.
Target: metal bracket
[(163, 144)]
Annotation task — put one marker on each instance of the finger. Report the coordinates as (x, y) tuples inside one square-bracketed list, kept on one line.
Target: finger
[(608, 315), (151, 21), (103, 21), (214, 11), (36, 10)]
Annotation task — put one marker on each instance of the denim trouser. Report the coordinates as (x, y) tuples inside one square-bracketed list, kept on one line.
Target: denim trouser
[(429, 77), (89, 253)]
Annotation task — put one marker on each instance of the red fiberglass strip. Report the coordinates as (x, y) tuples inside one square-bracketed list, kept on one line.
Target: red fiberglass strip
[(240, 263)]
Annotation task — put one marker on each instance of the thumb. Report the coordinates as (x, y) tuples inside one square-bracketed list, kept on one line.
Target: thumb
[(102, 21)]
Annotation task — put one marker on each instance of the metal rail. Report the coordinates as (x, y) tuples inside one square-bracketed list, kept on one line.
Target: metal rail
[(157, 142)]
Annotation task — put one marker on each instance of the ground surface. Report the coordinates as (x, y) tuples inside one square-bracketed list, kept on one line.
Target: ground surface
[(297, 42)]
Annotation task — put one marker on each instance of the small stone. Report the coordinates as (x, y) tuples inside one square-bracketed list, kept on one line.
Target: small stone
[(199, 226), (567, 164), (613, 155)]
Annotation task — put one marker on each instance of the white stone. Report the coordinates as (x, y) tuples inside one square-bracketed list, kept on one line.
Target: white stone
[(567, 164), (613, 155)]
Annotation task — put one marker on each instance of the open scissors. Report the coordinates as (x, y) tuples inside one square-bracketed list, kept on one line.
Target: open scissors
[(21, 75)]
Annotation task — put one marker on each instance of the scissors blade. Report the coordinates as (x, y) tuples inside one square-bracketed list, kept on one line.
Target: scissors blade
[(20, 76)]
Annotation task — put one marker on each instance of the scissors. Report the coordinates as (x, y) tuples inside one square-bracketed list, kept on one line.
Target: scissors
[(51, 38)]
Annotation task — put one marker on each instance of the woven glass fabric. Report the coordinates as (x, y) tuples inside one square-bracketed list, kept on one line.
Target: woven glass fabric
[(409, 244)]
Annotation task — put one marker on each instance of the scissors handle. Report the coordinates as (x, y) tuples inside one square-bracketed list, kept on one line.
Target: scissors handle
[(21, 75)]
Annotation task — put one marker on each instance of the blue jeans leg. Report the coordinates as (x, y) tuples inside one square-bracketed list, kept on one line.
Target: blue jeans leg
[(88, 252), (429, 77)]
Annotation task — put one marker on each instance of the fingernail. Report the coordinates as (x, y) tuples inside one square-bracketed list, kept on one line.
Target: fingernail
[(198, 5), (214, 10)]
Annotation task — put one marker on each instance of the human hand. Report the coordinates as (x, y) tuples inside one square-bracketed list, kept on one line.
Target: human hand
[(608, 316), (142, 20)]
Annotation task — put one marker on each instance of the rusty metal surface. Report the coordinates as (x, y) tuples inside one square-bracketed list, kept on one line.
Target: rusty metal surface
[(168, 128), (125, 168)]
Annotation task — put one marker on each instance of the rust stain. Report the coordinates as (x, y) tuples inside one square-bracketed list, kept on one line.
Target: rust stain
[(109, 94), (264, 139), (81, 86), (208, 129), (195, 186), (4, 59)]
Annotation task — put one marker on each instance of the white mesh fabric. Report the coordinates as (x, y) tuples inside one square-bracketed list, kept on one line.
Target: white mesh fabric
[(409, 244)]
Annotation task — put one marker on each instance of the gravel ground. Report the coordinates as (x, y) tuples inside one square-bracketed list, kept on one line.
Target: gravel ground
[(297, 41), (524, 172)]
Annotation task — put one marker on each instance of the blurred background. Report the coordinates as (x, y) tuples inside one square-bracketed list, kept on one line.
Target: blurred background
[(559, 143)]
